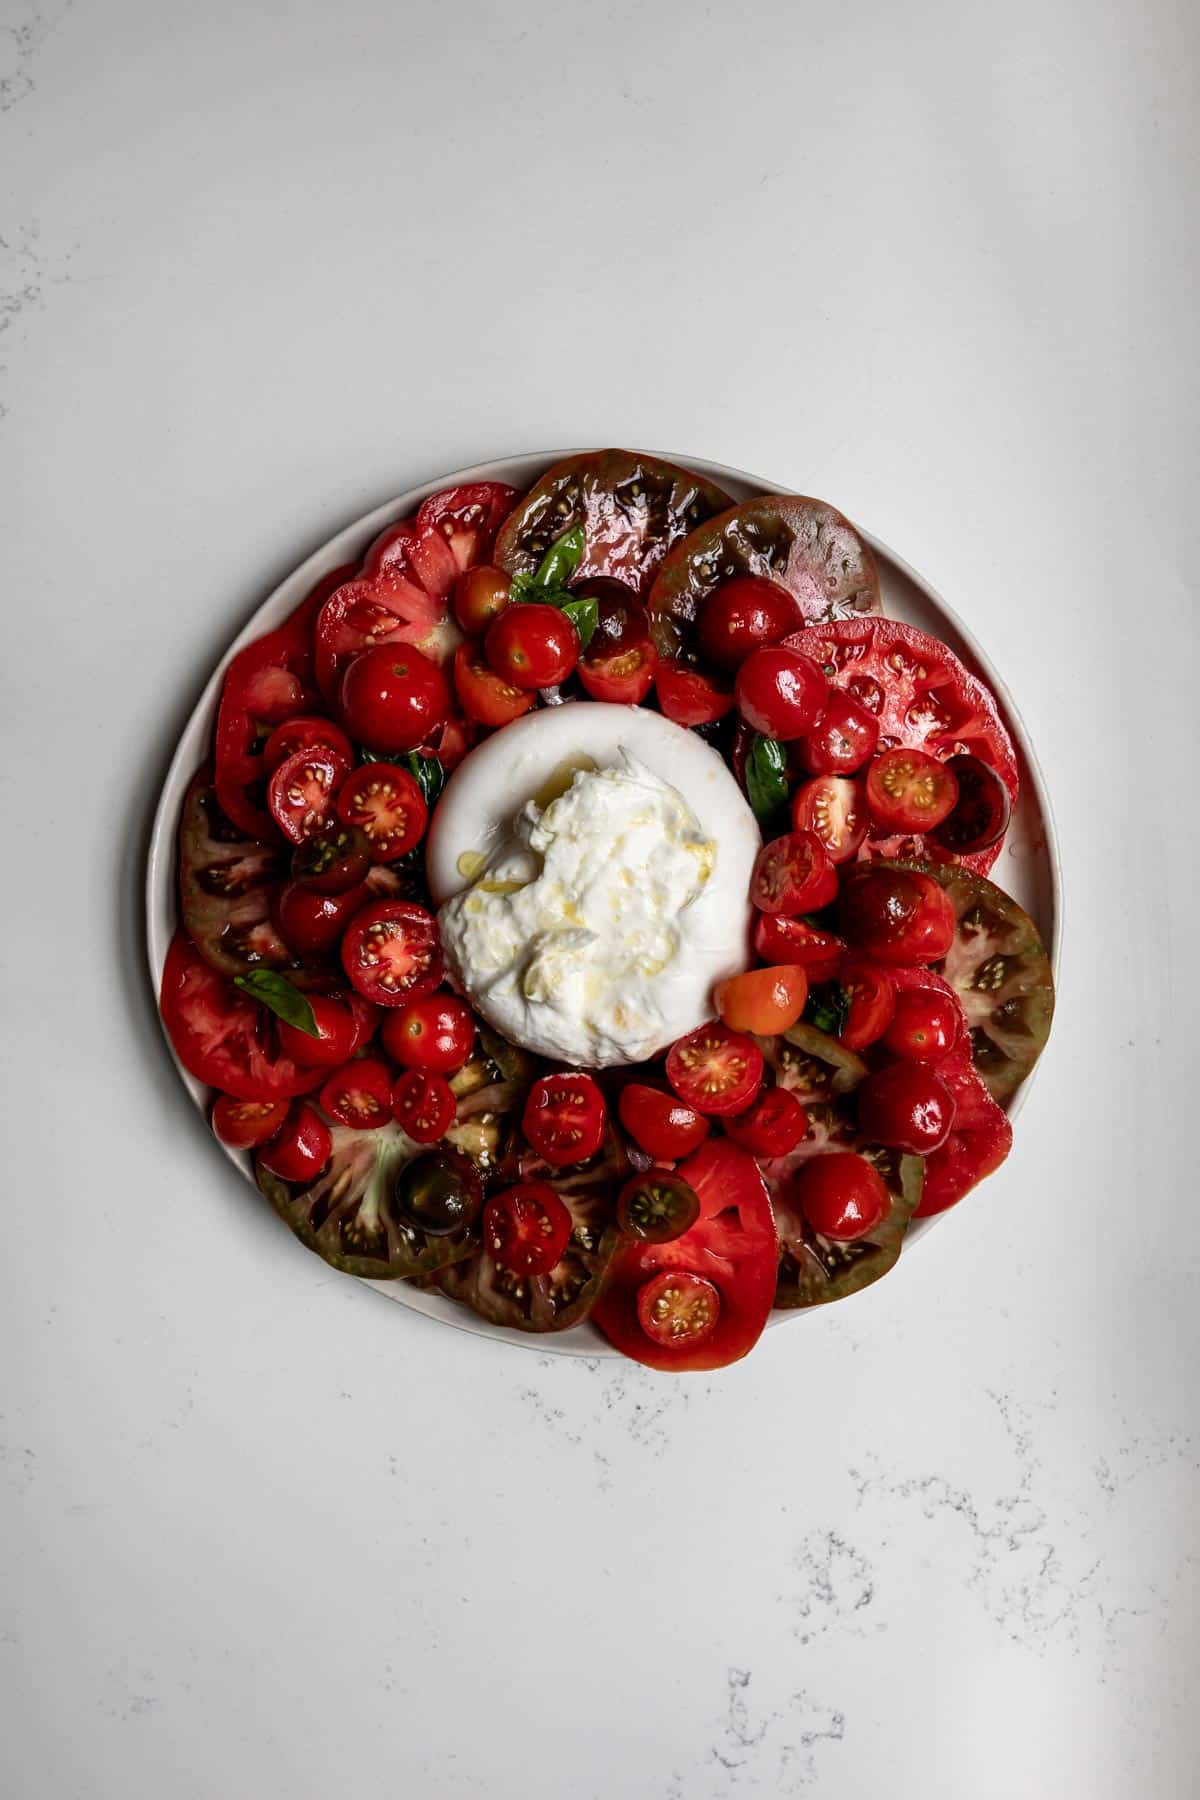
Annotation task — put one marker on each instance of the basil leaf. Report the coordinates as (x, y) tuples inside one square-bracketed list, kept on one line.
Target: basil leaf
[(584, 614), (561, 559), (277, 994), (828, 1009), (766, 776), (521, 585), (429, 774)]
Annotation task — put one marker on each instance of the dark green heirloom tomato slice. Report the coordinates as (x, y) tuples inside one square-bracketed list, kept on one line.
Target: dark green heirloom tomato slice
[(998, 967), (632, 507), (803, 545), (353, 1215), (226, 883), (814, 1269), (556, 1301)]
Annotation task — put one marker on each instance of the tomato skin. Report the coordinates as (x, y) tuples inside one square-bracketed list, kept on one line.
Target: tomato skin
[(482, 695), (772, 1125), (526, 1228), (687, 697), (434, 1031), (764, 1001), (386, 804), (244, 1124), (906, 1106), (660, 1123), (793, 874), (779, 940), (310, 923), (981, 812), (843, 737), (333, 862), (780, 692), (338, 1030), (220, 1035), (532, 645), (657, 1207), (925, 1027), (302, 791), (840, 1195), (391, 952), (564, 1118), (393, 698), (872, 997), (619, 663), (359, 1094), (895, 916), (715, 1070), (479, 594), (302, 1147), (834, 809), (423, 1105), (308, 731), (909, 791), (742, 615)]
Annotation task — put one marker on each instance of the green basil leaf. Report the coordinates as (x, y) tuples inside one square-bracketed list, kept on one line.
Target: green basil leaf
[(561, 559), (766, 776), (278, 995), (429, 773), (828, 1009), (521, 585), (584, 615), (366, 756)]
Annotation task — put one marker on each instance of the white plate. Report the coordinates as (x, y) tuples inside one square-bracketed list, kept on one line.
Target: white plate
[(1028, 868)]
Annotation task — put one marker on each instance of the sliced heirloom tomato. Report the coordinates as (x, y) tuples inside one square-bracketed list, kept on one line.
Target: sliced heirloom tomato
[(719, 1276), (803, 545), (222, 1036), (923, 698), (999, 970), (353, 1215), (632, 507), (268, 682)]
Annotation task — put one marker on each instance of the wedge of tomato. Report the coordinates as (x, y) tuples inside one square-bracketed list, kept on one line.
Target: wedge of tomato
[(221, 1036), (924, 699), (727, 1260)]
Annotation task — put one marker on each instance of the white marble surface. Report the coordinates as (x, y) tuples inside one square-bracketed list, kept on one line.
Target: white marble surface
[(262, 266)]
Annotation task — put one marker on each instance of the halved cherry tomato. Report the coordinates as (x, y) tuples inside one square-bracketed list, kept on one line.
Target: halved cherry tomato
[(309, 922), (434, 1031), (843, 737), (895, 915), (244, 1123), (909, 791), (532, 645), (482, 695), (743, 614), (385, 802), (981, 812), (764, 1001), (840, 1194), (871, 1002), (925, 1027), (337, 1030), (564, 1118), (781, 692), (479, 594), (779, 940), (657, 1207), (732, 1246), (302, 1147), (660, 1123), (391, 952), (793, 874), (333, 862), (906, 1106), (306, 732), (619, 662), (302, 791), (359, 1094), (526, 1228), (716, 1070), (687, 697), (221, 1036), (772, 1125), (834, 809), (423, 1105), (393, 698)]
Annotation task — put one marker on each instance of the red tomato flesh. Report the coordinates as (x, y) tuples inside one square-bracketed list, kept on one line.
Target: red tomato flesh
[(386, 804), (391, 952), (302, 791), (564, 1118), (359, 1094), (793, 874), (715, 1070), (221, 1036), (526, 1228)]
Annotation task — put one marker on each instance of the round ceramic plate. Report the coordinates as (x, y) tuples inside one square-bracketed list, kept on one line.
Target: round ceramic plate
[(1028, 867)]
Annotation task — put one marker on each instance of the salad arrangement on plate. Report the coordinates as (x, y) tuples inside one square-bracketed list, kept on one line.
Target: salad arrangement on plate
[(585, 909)]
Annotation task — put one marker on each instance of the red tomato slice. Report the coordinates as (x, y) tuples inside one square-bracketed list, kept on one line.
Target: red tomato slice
[(268, 682), (221, 1036), (564, 1119), (483, 695), (359, 1094), (832, 807), (386, 803), (715, 1070), (792, 875), (244, 1123), (302, 791), (307, 732), (779, 940), (391, 952), (732, 1245), (924, 699), (423, 1105), (871, 994)]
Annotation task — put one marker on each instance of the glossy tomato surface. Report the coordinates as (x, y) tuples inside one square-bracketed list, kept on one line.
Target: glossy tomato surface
[(222, 1036)]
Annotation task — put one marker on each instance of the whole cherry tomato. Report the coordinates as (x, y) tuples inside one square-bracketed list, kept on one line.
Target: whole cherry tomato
[(843, 737), (434, 1031), (532, 645), (301, 1149), (764, 1001), (393, 697), (895, 915), (907, 1106), (743, 614), (781, 692), (840, 1195)]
